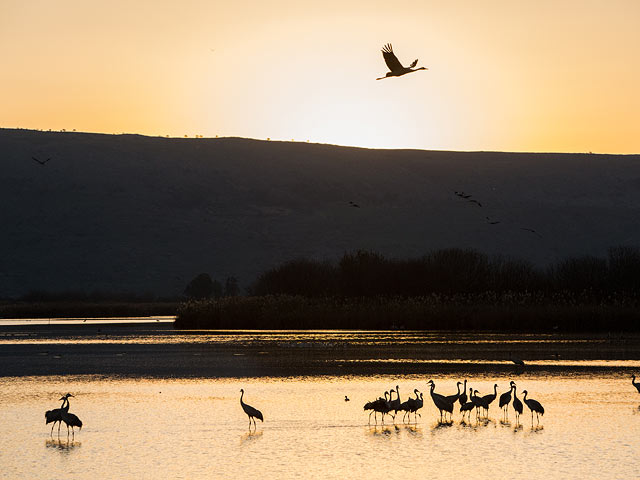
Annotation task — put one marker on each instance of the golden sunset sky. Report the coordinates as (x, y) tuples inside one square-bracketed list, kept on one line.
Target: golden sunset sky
[(510, 75)]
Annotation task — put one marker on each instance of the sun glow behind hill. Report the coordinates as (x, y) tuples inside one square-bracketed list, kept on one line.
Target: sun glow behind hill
[(507, 76)]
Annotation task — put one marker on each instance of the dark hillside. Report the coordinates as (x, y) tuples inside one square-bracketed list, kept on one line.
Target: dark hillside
[(126, 213)]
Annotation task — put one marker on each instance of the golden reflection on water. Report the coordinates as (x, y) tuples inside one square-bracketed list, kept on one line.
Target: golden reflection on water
[(195, 428)]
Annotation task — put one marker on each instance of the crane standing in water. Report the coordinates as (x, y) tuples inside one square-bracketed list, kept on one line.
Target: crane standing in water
[(69, 419), (55, 415), (253, 413), (534, 406), (395, 67)]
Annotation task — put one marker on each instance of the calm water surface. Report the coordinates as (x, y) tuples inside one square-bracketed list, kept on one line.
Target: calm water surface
[(195, 428)]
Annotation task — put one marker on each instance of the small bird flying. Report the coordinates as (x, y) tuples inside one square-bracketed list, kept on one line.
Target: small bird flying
[(41, 162), (395, 67)]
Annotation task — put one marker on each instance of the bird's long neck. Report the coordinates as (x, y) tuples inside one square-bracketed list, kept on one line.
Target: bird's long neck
[(66, 400), (514, 390), (241, 395), (495, 388), (525, 396), (458, 388)]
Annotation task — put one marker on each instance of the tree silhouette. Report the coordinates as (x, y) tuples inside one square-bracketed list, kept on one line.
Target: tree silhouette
[(200, 287)]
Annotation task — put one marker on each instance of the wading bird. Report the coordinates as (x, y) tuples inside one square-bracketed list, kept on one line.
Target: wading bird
[(505, 398), (380, 405), (55, 415), (395, 67), (517, 405), (534, 406), (441, 402), (463, 396), (467, 406), (634, 383), (516, 360), (253, 413), (70, 419), (488, 399)]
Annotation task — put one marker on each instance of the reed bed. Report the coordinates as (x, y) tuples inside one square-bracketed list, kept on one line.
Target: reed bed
[(515, 312)]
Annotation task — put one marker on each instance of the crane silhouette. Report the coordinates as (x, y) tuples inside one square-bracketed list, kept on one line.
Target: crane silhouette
[(408, 405), (463, 396), (395, 403), (395, 67), (467, 406), (534, 406), (488, 399), (505, 398), (55, 415), (634, 383), (253, 413), (517, 404), (69, 419), (441, 402), (517, 361)]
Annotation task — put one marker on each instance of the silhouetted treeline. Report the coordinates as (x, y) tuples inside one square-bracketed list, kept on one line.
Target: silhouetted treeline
[(448, 289), (453, 271)]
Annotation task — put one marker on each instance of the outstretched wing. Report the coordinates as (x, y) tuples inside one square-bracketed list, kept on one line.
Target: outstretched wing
[(390, 58), (415, 62)]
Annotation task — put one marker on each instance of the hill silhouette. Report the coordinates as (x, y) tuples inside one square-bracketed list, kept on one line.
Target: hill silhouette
[(128, 213)]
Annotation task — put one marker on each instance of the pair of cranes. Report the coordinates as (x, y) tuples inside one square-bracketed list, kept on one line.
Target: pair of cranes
[(59, 415)]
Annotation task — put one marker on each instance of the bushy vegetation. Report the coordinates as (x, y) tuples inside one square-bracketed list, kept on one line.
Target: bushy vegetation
[(506, 312), (453, 271), (446, 289)]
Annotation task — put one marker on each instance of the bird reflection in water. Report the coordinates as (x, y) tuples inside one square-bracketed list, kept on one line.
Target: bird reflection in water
[(441, 424), (379, 430), (413, 430), (65, 446), (250, 437)]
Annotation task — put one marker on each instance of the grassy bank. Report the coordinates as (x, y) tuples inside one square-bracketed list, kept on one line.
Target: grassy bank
[(516, 312), (55, 309)]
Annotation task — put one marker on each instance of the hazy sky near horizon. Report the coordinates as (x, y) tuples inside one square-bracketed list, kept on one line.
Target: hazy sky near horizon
[(545, 75)]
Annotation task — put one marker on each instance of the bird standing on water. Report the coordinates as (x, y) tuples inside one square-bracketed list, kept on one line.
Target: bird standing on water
[(69, 419), (55, 415), (505, 398), (395, 67), (253, 413), (534, 406), (517, 404)]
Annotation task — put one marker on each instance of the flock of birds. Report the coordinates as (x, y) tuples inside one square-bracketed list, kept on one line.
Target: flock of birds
[(386, 405)]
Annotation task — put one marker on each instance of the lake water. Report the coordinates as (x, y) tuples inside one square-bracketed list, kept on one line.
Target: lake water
[(151, 427)]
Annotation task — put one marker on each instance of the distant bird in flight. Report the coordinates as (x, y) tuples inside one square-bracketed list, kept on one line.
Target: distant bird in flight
[(530, 230), (354, 204), (395, 67), (41, 162)]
